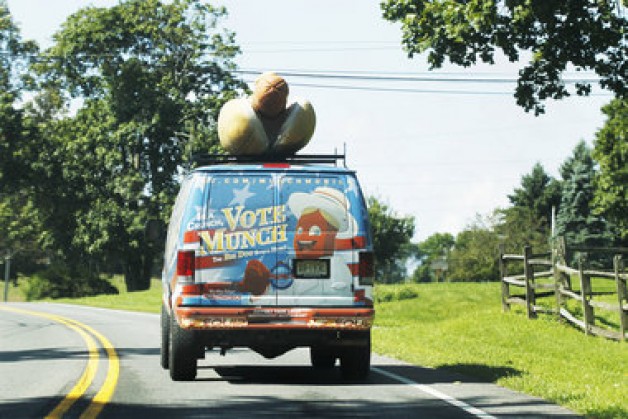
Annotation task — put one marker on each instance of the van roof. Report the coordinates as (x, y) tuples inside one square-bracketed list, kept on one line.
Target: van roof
[(272, 167), (315, 163)]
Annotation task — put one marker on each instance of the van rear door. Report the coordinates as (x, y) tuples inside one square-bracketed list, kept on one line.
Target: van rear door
[(319, 248), (238, 255)]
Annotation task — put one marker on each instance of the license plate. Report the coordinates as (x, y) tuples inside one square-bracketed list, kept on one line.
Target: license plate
[(311, 268)]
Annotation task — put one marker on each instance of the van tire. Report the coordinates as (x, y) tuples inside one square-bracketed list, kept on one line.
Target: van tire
[(165, 337), (355, 361), (322, 357), (182, 353)]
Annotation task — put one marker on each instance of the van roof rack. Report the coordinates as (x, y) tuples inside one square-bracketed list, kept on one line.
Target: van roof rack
[(208, 159)]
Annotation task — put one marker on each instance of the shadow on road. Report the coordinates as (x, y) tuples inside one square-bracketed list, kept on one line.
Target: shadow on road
[(63, 353), (252, 406), (42, 354), (265, 374), (248, 407), (322, 393), (304, 375)]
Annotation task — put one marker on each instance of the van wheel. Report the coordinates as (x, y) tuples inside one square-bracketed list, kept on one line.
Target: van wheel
[(322, 357), (182, 353), (165, 337), (355, 361)]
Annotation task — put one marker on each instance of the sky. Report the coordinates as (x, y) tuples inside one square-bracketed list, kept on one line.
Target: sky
[(440, 151)]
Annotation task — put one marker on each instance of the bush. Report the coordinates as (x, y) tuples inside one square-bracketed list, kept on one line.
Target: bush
[(407, 293), (387, 293), (57, 282)]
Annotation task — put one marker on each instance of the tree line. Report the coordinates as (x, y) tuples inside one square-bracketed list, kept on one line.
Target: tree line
[(95, 130), (591, 196), (587, 212)]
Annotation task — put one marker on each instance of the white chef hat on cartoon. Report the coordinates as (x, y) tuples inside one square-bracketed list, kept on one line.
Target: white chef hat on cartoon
[(332, 203)]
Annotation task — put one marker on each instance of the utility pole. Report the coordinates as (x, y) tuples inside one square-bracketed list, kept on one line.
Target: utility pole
[(7, 270)]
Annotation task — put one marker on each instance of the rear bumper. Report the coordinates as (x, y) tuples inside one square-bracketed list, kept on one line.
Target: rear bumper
[(275, 318), (273, 342)]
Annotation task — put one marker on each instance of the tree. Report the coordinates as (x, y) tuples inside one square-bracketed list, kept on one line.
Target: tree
[(20, 223), (435, 248), (560, 35), (519, 227), (22, 234), (475, 253), (576, 221), (391, 240), (611, 181), (15, 56), (152, 77), (539, 192)]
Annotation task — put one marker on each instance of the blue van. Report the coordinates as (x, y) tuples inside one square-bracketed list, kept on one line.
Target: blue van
[(270, 256)]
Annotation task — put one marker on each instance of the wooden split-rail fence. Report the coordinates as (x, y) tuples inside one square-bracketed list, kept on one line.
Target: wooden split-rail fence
[(548, 274)]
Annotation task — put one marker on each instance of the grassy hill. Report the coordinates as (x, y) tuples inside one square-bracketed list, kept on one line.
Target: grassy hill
[(460, 327)]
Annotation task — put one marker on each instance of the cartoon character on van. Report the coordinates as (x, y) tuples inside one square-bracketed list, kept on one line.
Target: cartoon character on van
[(255, 246), (323, 217)]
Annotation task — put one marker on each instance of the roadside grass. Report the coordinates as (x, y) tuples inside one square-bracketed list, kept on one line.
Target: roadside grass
[(146, 301), (604, 290), (460, 327), (16, 290)]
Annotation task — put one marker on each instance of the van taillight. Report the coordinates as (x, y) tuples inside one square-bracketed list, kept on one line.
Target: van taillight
[(186, 265), (366, 268)]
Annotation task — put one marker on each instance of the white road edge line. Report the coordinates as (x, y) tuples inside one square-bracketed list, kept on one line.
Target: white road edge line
[(429, 390), (90, 308)]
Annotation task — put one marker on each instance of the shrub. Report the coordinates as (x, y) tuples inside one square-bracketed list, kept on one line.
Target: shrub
[(407, 293), (57, 282), (387, 293)]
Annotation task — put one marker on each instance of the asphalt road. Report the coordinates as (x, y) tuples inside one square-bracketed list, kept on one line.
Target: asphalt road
[(51, 365)]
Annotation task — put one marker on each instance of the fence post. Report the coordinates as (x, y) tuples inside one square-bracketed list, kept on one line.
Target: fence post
[(502, 274), (622, 295), (557, 276), (528, 272), (585, 292), (563, 258)]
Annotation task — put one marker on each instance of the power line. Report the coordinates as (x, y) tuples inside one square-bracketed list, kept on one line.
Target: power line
[(337, 49), (334, 74), (320, 46), (330, 42), (410, 90), (431, 73), (375, 72), (400, 90), (330, 75), (365, 77)]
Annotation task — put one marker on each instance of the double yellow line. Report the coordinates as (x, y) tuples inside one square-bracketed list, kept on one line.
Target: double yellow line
[(103, 396)]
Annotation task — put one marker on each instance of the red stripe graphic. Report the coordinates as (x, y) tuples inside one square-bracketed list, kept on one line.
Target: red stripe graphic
[(190, 236), (357, 242), (354, 268), (208, 262)]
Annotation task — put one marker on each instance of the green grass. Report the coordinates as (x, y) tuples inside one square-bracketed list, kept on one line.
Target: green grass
[(16, 292), (147, 301), (460, 327), (604, 290)]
